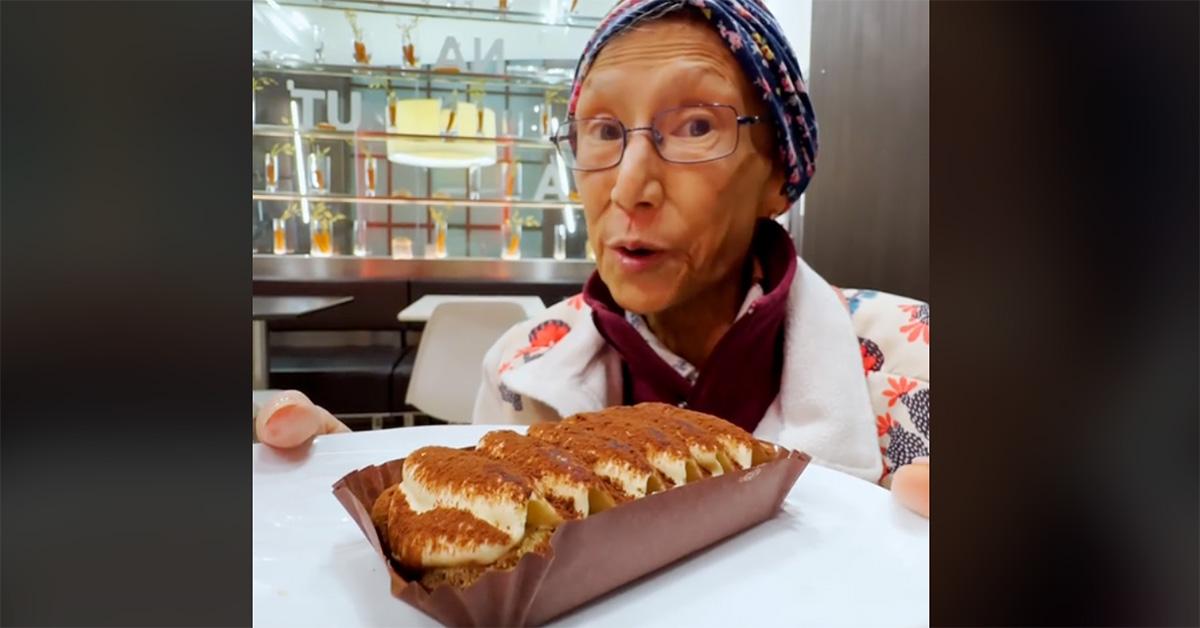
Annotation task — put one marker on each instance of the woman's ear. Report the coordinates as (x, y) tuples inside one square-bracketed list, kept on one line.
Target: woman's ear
[(774, 202)]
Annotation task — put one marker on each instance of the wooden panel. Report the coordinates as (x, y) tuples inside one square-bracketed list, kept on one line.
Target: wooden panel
[(866, 222)]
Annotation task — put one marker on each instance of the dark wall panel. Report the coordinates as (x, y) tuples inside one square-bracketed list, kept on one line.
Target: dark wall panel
[(866, 221)]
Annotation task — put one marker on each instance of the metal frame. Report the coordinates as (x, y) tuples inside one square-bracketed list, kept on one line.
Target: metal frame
[(351, 268)]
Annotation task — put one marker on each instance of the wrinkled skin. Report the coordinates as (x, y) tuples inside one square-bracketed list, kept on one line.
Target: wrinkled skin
[(700, 217)]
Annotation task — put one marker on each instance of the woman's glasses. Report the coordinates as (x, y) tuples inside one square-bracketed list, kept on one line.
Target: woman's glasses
[(682, 135)]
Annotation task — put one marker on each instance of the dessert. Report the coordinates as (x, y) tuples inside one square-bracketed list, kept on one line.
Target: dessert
[(620, 464), (703, 446), (571, 487), (737, 443), (458, 514), (665, 451)]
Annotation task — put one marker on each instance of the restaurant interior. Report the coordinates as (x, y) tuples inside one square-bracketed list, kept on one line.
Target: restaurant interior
[(401, 161)]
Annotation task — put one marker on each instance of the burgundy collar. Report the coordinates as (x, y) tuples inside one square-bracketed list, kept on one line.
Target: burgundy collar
[(741, 378)]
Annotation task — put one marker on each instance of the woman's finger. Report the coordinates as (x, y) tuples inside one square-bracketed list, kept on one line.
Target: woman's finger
[(329, 423), (291, 419), (910, 486)]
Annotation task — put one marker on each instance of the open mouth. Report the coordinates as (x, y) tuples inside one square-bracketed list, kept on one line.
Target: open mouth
[(636, 257), (636, 252)]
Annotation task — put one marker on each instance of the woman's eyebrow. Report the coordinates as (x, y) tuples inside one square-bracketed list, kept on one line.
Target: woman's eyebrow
[(704, 70), (677, 80), (708, 79)]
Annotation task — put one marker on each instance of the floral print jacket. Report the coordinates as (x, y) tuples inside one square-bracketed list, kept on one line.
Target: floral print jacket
[(855, 389)]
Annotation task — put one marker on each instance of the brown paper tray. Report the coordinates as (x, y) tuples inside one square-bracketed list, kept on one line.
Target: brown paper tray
[(592, 556)]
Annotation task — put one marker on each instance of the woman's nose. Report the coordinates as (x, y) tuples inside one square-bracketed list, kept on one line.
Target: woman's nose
[(638, 185)]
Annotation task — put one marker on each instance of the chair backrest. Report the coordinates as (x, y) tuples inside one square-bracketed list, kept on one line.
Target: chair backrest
[(446, 372)]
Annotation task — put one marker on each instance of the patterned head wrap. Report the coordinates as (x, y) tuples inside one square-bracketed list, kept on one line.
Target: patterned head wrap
[(757, 41)]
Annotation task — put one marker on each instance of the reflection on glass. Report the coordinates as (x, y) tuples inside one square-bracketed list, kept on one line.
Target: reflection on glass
[(318, 172), (279, 235), (293, 228), (402, 248), (318, 44), (510, 180), (370, 168), (474, 182), (514, 125), (510, 235), (271, 171), (361, 247), (322, 238), (560, 242)]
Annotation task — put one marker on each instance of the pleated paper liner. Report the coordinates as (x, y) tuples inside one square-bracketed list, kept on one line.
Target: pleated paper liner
[(592, 556)]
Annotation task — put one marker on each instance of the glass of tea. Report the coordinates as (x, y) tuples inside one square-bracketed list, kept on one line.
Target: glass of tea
[(271, 172), (322, 238)]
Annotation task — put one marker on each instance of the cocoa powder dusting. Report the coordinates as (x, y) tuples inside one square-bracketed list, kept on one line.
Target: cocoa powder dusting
[(382, 506), (588, 446), (536, 541), (535, 458), (565, 507), (467, 473), (713, 425), (688, 432), (628, 425), (439, 530)]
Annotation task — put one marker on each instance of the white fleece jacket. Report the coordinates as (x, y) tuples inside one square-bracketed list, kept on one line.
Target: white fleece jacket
[(558, 364)]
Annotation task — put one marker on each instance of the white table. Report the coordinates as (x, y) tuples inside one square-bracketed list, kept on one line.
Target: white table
[(840, 553), (420, 310)]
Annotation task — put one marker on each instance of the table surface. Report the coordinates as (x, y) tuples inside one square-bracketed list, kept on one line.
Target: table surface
[(275, 308), (840, 552), (420, 310)]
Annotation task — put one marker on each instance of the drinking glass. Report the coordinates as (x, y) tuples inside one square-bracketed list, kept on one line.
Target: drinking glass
[(440, 230), (361, 248), (318, 170), (271, 170), (510, 235), (279, 236), (402, 248), (322, 238), (370, 169)]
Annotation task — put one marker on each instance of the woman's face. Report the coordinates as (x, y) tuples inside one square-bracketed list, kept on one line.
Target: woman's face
[(692, 222)]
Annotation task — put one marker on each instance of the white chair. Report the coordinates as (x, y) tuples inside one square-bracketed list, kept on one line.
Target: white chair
[(446, 373)]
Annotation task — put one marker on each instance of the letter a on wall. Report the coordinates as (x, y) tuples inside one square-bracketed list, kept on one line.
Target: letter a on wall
[(549, 185), (444, 57)]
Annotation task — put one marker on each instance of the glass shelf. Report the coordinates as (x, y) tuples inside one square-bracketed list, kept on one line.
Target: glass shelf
[(269, 62), (275, 130), (521, 70), (262, 195), (457, 10)]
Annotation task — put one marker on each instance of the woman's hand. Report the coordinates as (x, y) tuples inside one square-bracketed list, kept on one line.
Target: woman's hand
[(290, 419), (910, 485)]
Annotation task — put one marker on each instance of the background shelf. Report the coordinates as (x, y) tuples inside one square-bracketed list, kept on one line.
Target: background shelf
[(281, 131), (551, 77), (586, 16), (262, 195)]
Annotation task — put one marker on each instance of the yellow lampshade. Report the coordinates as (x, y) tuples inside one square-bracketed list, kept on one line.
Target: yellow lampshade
[(427, 117)]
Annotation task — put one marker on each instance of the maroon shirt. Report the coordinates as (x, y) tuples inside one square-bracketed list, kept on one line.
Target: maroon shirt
[(741, 378)]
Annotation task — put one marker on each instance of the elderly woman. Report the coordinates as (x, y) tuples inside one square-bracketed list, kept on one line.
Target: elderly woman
[(689, 131)]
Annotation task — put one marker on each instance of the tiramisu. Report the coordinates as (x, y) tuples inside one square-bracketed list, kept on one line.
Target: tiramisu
[(457, 514)]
